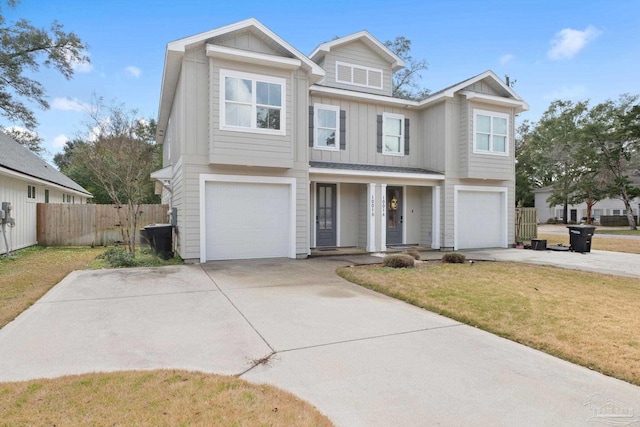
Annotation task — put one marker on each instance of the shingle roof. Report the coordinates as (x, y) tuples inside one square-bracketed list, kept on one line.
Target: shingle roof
[(371, 168), (20, 159)]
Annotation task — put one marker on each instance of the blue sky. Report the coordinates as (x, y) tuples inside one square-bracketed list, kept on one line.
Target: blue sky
[(560, 49)]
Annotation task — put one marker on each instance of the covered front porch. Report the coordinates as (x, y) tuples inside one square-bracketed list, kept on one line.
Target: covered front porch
[(373, 208)]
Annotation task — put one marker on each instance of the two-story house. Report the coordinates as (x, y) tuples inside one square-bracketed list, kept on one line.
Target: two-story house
[(270, 153)]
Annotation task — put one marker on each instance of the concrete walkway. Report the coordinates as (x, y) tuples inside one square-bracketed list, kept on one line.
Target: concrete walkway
[(362, 358)]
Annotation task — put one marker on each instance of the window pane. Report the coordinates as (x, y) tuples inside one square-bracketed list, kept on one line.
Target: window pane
[(326, 138), (327, 118), (238, 90), (482, 142), (268, 94), (499, 144), (237, 115), (499, 126), (483, 123), (393, 127), (392, 144), (268, 118)]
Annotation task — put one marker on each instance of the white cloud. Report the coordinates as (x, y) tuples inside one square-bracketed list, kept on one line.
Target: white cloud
[(68, 104), (133, 71), (576, 92), (59, 141), (568, 42), (504, 59)]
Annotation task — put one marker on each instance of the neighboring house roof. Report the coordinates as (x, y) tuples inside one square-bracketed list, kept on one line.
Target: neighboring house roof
[(363, 36), (176, 49), (18, 158)]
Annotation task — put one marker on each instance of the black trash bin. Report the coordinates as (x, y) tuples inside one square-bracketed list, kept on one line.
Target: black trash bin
[(580, 237), (160, 238)]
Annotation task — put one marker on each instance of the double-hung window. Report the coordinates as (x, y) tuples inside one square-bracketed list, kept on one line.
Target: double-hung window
[(393, 134), (31, 192), (490, 132), (251, 102), (327, 127)]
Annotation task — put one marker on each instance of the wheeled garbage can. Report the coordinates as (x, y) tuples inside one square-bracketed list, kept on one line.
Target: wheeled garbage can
[(580, 237)]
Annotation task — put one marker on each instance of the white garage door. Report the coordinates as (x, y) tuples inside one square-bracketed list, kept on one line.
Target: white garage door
[(481, 221), (247, 220)]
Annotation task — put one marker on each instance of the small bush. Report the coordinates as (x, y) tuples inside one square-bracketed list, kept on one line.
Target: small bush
[(413, 253), (454, 258), (118, 257), (398, 261)]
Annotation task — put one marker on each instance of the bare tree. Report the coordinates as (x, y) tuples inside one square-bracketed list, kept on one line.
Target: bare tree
[(406, 81)]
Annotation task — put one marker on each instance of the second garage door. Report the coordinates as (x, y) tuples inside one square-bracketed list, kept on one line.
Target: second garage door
[(480, 220), (247, 220)]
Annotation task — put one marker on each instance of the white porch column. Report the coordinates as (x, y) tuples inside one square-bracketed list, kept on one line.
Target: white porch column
[(435, 217), (383, 217), (371, 218)]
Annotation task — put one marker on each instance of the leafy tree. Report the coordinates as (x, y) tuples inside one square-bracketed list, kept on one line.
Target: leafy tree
[(23, 49), (26, 137), (613, 138), (120, 154), (406, 81)]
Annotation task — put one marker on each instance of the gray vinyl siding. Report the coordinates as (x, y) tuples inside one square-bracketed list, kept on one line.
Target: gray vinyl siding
[(483, 87), (413, 219), (433, 128), (481, 165), (349, 214), (247, 41), (357, 53), (248, 148), (361, 135)]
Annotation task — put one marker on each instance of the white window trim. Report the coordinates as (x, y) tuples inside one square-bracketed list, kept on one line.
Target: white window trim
[(334, 108), (386, 116), (490, 150), (362, 67), (254, 78)]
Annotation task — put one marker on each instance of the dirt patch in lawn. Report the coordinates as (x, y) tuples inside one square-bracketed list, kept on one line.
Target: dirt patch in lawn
[(152, 398), (587, 318), (30, 273)]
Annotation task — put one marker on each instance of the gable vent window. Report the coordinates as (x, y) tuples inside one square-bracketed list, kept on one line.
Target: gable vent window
[(358, 75)]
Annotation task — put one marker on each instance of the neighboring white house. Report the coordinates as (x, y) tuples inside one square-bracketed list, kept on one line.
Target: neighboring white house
[(26, 179), (269, 152), (575, 213)]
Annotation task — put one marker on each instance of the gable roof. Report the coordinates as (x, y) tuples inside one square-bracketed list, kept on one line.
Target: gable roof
[(364, 36), (492, 79), (18, 158), (176, 49)]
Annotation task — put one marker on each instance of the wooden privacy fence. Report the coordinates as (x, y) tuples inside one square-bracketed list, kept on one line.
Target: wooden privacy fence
[(526, 224), (63, 224)]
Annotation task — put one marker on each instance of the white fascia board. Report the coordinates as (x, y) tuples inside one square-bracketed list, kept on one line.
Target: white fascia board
[(38, 181), (363, 96), (252, 57), (163, 174), (496, 100), (376, 174)]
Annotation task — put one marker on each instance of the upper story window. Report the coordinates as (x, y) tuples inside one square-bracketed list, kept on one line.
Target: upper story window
[(326, 127), (393, 134), (252, 103), (31, 192), (358, 75), (490, 132)]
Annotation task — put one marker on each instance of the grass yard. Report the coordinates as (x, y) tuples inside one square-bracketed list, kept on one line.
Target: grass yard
[(153, 398), (29, 273), (586, 318), (618, 232), (598, 241)]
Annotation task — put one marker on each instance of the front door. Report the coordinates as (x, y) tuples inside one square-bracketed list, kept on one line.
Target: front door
[(326, 215), (394, 215)]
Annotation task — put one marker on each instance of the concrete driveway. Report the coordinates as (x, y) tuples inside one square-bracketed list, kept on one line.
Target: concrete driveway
[(361, 358)]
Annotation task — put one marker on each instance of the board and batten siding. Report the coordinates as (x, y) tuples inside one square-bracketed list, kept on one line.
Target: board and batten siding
[(426, 217), (248, 41), (361, 136), (357, 53), (348, 194), (432, 128), (250, 148)]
